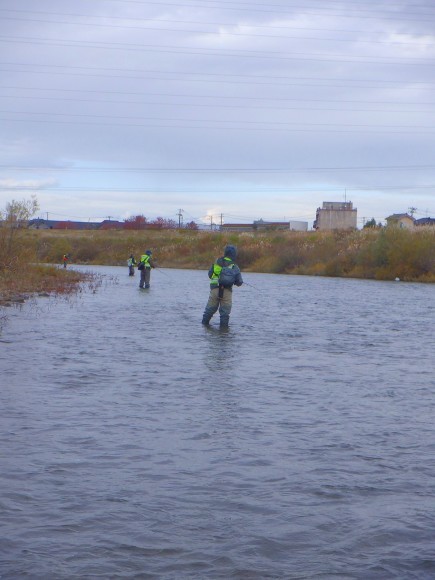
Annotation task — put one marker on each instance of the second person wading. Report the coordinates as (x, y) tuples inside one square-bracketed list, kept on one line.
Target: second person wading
[(145, 265), (223, 274)]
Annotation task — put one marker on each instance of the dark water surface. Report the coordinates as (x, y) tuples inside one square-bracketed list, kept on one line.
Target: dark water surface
[(136, 443)]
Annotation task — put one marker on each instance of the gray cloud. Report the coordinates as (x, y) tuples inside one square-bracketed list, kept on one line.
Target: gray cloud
[(243, 110)]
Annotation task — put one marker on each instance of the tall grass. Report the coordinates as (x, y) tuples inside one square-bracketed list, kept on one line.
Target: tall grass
[(378, 254), (20, 272)]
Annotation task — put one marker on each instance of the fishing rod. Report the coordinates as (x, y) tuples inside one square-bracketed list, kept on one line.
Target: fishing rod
[(161, 271), (255, 287)]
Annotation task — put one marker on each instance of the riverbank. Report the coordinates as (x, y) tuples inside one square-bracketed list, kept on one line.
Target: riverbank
[(21, 282), (384, 254)]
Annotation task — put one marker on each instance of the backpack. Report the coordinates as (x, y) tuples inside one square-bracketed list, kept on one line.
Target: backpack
[(228, 275)]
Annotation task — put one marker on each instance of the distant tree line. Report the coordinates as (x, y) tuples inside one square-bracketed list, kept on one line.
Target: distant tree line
[(140, 222), (372, 224)]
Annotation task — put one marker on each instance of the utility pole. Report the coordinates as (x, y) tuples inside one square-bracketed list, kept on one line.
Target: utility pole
[(211, 222), (222, 218), (180, 217)]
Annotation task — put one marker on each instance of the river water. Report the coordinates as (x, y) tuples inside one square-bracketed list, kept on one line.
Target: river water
[(300, 443)]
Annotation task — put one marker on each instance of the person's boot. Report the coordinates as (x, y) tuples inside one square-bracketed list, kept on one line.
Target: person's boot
[(224, 322)]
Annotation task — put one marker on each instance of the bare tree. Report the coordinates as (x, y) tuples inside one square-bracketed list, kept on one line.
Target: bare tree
[(16, 215)]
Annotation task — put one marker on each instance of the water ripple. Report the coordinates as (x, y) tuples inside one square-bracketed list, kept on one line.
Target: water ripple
[(297, 445)]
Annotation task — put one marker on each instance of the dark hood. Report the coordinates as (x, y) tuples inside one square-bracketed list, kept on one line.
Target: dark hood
[(230, 252)]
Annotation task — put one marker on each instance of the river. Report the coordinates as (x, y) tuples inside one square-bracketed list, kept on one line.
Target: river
[(298, 444)]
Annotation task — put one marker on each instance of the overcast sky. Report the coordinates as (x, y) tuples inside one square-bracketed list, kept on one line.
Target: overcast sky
[(225, 110)]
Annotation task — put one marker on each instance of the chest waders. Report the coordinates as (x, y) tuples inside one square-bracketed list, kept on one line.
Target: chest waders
[(218, 300)]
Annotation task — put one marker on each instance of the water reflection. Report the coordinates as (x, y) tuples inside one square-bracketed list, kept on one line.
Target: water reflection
[(219, 353)]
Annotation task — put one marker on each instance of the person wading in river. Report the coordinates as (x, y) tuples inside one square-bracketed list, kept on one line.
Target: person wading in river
[(131, 263), (223, 274), (145, 265)]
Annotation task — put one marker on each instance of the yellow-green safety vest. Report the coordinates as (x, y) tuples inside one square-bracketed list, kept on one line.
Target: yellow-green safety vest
[(217, 271), (146, 259)]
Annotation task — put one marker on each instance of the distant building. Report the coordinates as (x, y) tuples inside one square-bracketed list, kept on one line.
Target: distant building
[(336, 215), (111, 225), (262, 225), (296, 226), (400, 220), (427, 221), (41, 224), (236, 228), (69, 225)]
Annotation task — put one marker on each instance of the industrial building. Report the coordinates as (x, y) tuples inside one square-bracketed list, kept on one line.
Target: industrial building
[(336, 215)]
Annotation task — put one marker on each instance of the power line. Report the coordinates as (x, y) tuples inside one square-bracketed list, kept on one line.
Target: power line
[(346, 13), (243, 219), (411, 86), (253, 190), (315, 128), (180, 217), (218, 169), (202, 22), (260, 125), (77, 217), (220, 76), (301, 56), (185, 31), (216, 106)]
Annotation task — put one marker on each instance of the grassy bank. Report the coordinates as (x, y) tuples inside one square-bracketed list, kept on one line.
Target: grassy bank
[(373, 254), (20, 274)]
